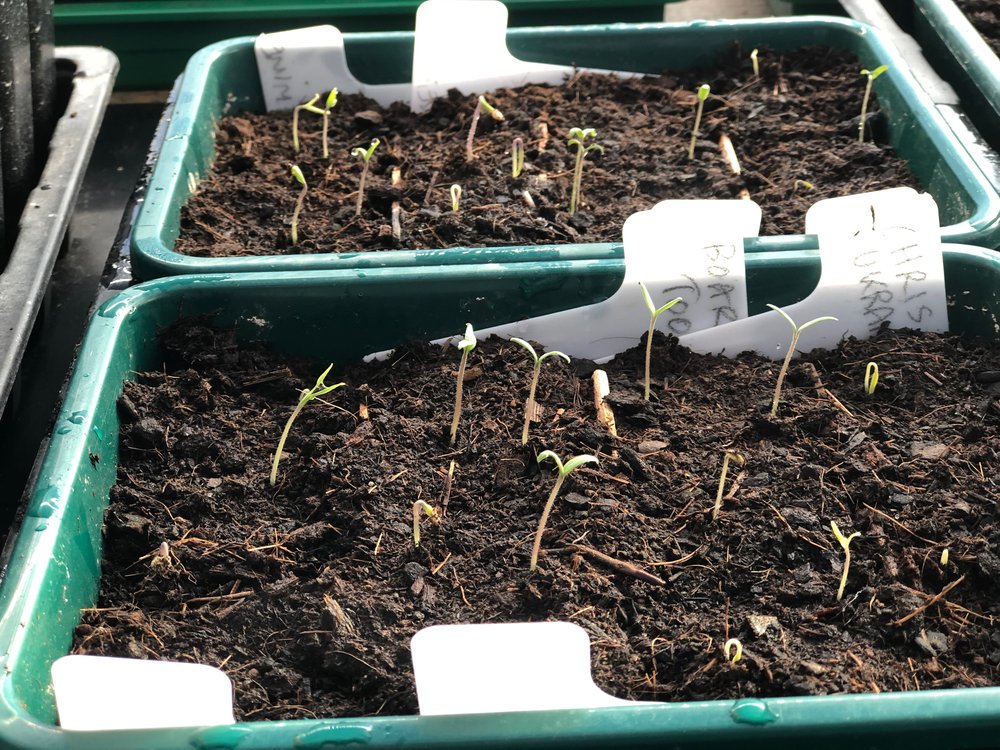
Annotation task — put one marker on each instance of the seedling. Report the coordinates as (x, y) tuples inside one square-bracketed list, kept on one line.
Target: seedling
[(516, 157), (578, 137), (703, 91), (871, 76), (365, 154), (944, 557), (729, 456), (481, 105), (796, 330), (465, 345), (456, 196), (309, 105), (307, 395), (301, 179), (419, 506), (529, 405), (845, 542), (756, 66), (804, 184), (733, 644), (331, 102), (871, 378), (654, 313), (564, 471)]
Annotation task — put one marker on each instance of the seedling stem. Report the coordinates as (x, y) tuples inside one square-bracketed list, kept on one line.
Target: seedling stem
[(870, 75), (455, 193), (301, 179), (654, 313), (703, 91), (516, 157), (564, 471), (295, 119), (733, 643), (418, 506), (496, 114), (871, 378), (729, 456), (529, 405), (365, 154), (578, 137), (756, 66), (465, 345), (306, 395), (796, 330), (845, 543)]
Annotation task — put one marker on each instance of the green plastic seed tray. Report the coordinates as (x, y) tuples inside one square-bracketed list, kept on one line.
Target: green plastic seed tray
[(54, 568), (223, 78), (154, 38)]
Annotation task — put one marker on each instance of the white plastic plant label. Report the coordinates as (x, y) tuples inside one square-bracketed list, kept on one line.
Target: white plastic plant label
[(691, 249), (95, 693), (492, 668), (882, 263), (294, 65)]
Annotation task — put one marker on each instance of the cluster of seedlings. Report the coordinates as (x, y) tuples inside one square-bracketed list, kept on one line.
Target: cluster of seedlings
[(583, 139)]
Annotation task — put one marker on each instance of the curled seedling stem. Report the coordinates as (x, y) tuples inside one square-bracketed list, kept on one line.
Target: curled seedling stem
[(654, 313), (529, 405), (578, 137), (516, 157), (733, 644), (871, 378), (756, 66), (870, 76), (796, 330), (703, 91), (845, 543), (729, 456), (481, 105), (299, 202), (564, 471), (306, 395), (309, 105), (365, 154), (944, 557), (455, 192), (419, 506), (466, 344)]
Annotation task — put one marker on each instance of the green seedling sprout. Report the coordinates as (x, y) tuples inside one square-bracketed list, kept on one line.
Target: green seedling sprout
[(419, 506), (516, 157), (496, 114), (529, 405), (802, 184), (331, 102), (306, 395), (301, 179), (578, 137), (796, 330), (871, 76), (564, 471), (756, 66), (871, 378), (365, 154), (465, 345), (731, 645), (703, 91), (729, 456), (845, 542), (654, 313), (309, 105), (456, 196), (944, 557)]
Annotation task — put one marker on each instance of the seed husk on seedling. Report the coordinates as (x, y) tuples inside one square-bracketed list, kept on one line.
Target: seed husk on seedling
[(703, 91), (529, 405), (419, 506), (870, 75), (365, 154), (306, 395), (729, 456), (466, 344), (654, 313), (871, 378), (496, 114), (455, 193), (845, 543), (578, 137), (301, 179), (516, 157), (564, 471), (310, 106), (796, 330)]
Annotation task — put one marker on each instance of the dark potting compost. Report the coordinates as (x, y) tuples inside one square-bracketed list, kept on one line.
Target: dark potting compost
[(794, 131), (984, 15), (307, 593)]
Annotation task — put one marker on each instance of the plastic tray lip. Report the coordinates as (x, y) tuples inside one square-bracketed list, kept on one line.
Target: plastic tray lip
[(24, 279), (967, 45), (21, 590), (152, 257)]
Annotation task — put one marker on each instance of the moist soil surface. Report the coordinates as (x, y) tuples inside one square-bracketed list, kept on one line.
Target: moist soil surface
[(307, 593), (984, 15), (795, 133)]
